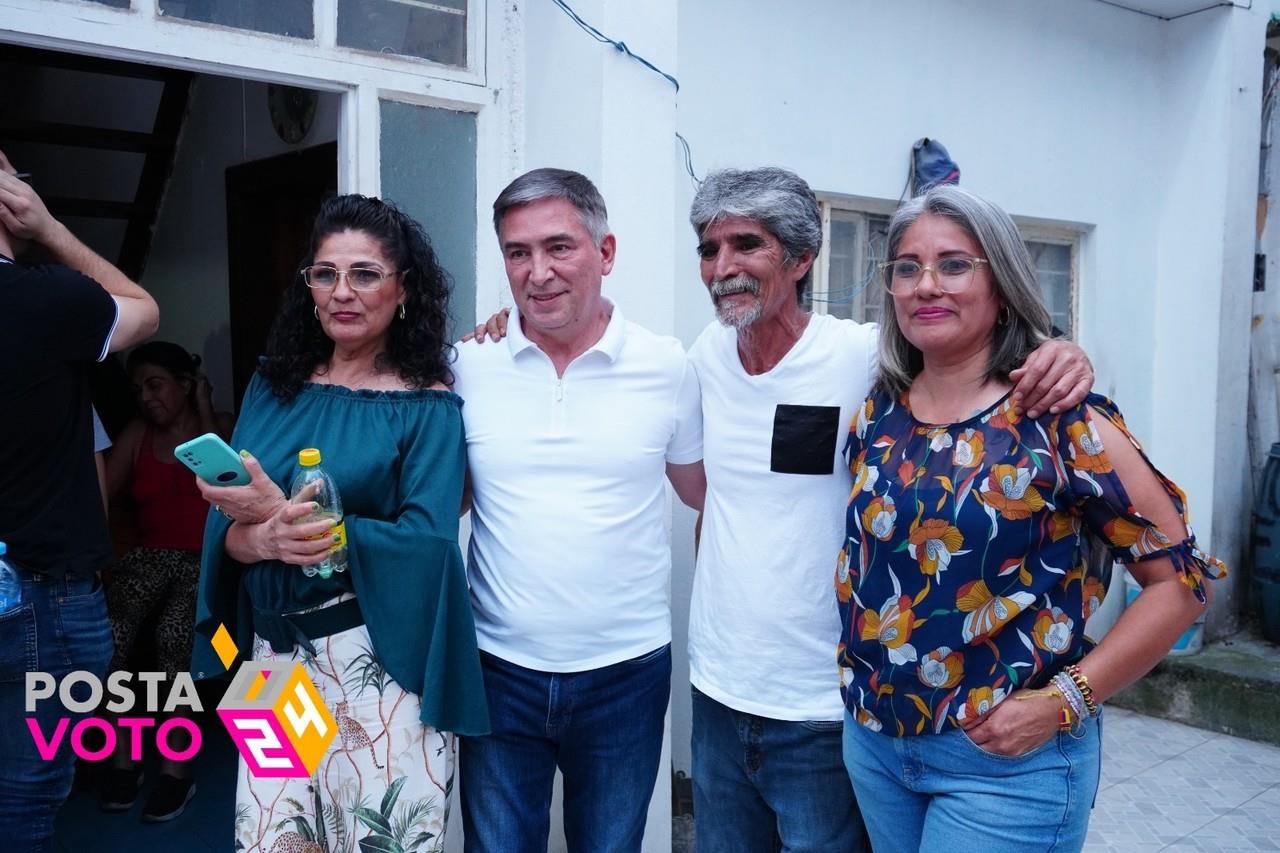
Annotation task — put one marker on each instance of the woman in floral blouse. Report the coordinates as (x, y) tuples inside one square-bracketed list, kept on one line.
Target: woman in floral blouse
[(970, 687)]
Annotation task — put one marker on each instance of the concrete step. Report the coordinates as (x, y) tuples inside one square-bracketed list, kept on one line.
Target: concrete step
[(1231, 687)]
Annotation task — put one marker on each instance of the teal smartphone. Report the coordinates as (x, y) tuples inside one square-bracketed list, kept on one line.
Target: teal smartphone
[(212, 460)]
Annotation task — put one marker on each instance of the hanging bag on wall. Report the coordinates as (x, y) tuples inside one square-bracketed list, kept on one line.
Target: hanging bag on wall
[(931, 165)]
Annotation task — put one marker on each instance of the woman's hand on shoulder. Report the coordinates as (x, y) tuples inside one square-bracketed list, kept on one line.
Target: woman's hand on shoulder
[(1016, 727), (252, 503)]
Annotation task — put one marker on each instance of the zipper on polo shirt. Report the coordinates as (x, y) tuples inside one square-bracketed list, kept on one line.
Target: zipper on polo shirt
[(558, 408)]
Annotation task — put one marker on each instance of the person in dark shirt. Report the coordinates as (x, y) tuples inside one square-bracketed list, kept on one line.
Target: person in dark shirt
[(56, 321)]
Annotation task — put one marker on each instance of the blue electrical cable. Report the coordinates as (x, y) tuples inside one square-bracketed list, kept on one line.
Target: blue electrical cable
[(621, 47)]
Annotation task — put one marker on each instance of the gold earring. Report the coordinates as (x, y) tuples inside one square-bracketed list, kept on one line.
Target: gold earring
[(401, 310)]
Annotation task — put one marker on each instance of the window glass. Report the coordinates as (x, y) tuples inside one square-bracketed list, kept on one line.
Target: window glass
[(428, 29), (877, 250), (429, 170), (842, 255), (279, 17), (856, 245), (1053, 272)]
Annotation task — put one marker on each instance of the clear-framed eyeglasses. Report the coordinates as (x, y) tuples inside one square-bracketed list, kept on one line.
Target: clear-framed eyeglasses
[(325, 277), (902, 277)]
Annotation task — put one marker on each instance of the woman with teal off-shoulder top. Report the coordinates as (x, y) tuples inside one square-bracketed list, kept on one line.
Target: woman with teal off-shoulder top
[(356, 367)]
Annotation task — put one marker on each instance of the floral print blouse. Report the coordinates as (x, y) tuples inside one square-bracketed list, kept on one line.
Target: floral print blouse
[(963, 574)]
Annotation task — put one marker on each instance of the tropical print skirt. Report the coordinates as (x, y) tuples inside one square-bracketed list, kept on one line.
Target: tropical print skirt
[(384, 783)]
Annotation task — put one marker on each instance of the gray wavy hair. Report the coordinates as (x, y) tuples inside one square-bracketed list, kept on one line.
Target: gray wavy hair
[(779, 200), (1012, 271), (541, 184)]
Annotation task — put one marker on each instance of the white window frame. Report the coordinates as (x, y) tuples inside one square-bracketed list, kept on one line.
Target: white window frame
[(1038, 231), (827, 202)]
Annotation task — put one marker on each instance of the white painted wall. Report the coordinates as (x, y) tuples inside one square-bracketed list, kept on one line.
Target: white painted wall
[(1074, 111), (227, 124), (1205, 264)]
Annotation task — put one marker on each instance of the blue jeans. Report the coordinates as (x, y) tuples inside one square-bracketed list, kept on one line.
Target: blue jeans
[(761, 784), (60, 627), (944, 792), (602, 728)]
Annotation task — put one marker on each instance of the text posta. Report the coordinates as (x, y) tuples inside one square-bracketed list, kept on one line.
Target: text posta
[(181, 694)]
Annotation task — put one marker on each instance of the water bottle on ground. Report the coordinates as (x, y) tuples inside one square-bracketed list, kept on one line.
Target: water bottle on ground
[(330, 506), (10, 582)]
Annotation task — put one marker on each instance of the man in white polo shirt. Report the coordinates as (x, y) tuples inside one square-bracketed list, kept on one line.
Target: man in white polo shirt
[(573, 422)]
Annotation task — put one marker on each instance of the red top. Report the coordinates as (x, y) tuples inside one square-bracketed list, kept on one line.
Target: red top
[(171, 512)]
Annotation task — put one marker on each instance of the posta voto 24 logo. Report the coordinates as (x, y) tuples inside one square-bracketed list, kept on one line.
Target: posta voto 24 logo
[(272, 711)]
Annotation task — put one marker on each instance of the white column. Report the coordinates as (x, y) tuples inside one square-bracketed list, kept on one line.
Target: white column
[(1204, 273)]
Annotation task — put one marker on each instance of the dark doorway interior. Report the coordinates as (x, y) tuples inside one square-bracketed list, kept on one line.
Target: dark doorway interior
[(271, 204)]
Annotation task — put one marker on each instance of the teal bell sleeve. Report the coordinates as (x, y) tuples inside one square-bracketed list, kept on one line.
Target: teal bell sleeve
[(399, 459), (220, 599), (410, 580)]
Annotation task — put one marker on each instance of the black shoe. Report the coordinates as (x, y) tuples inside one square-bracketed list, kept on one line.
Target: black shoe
[(119, 789), (168, 798)]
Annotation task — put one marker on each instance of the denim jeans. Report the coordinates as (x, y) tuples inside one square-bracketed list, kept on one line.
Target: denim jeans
[(761, 784), (602, 728), (944, 792), (60, 627)]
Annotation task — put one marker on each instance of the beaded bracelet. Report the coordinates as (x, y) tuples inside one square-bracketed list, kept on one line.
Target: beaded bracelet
[(1082, 682), (1065, 721), (1071, 693)]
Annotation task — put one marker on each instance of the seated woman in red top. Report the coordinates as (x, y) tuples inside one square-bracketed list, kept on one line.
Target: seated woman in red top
[(972, 692), (157, 579)]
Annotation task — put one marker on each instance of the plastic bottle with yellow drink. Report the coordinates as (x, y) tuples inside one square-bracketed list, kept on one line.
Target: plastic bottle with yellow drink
[(329, 503)]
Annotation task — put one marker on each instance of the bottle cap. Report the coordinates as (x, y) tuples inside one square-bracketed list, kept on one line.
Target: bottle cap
[(308, 457)]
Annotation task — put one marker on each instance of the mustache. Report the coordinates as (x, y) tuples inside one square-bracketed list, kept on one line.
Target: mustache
[(737, 284)]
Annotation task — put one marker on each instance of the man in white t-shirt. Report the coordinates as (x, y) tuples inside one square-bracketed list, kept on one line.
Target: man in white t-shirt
[(573, 423), (779, 389)]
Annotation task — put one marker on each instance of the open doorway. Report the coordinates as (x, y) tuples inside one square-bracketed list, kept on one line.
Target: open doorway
[(202, 188), (271, 204), (142, 163)]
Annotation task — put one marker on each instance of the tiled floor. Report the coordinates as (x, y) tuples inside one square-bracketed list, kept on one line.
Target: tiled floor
[(1166, 786)]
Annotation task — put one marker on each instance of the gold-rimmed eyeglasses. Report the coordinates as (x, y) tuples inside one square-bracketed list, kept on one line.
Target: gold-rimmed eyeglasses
[(902, 277), (325, 277)]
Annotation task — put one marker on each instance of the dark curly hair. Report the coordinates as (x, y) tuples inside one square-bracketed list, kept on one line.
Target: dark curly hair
[(417, 347)]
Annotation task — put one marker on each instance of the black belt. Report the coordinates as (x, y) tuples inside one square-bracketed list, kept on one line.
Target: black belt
[(289, 629), (327, 621)]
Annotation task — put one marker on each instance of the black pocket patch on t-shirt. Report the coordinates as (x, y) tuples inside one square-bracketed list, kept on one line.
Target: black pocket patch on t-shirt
[(804, 439)]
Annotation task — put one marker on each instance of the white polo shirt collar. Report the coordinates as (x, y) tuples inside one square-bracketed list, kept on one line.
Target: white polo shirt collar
[(609, 345)]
